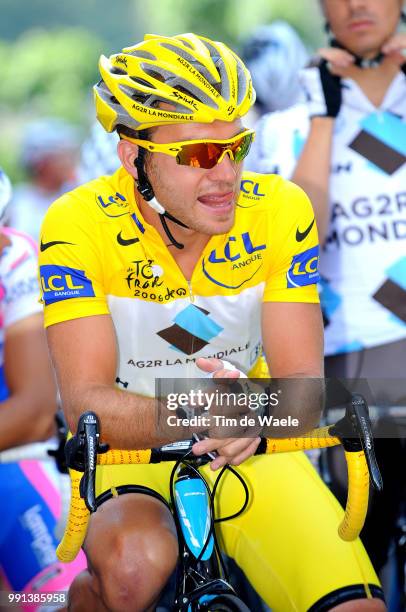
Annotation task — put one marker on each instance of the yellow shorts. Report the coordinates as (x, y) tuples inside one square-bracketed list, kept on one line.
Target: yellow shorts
[(286, 540)]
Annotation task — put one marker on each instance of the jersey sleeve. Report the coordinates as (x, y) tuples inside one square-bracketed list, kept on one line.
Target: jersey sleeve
[(20, 283), (71, 263), (293, 273)]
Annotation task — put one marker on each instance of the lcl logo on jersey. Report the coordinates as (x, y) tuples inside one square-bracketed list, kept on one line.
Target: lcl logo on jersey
[(232, 251), (250, 194), (63, 283), (251, 187), (304, 269), (113, 205), (236, 248)]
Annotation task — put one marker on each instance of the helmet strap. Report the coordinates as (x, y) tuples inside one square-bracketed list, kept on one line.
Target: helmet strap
[(143, 185), (361, 62), (176, 244), (145, 189)]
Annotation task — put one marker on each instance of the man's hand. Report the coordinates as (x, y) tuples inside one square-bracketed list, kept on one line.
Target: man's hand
[(218, 368), (395, 50), (232, 451), (322, 81), (338, 60)]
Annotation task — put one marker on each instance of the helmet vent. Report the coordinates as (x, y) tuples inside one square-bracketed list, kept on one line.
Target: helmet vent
[(216, 59), (189, 58), (186, 43), (143, 82), (115, 70), (179, 51), (144, 55), (139, 98), (188, 92), (153, 73), (242, 83)]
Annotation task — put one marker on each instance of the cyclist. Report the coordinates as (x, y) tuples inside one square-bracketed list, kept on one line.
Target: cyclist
[(176, 258), (48, 155), (274, 55), (30, 502), (353, 126)]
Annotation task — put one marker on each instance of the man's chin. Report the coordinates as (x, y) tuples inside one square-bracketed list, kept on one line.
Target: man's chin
[(216, 227)]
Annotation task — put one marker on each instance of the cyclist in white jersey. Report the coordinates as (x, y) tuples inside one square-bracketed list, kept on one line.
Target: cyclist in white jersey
[(346, 146), (358, 190)]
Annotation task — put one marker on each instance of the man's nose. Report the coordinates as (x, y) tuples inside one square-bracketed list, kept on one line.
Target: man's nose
[(356, 5), (225, 170)]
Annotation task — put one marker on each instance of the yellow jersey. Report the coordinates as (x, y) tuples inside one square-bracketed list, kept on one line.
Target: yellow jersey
[(98, 255)]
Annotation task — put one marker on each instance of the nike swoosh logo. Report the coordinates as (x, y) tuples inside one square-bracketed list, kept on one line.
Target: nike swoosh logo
[(302, 235), (47, 245), (126, 241)]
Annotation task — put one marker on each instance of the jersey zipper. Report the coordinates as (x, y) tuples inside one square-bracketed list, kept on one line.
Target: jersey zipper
[(191, 295)]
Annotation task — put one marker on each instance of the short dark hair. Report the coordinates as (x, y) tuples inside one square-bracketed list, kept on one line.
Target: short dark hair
[(123, 130)]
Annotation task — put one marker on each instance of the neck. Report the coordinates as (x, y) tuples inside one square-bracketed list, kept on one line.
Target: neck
[(192, 240), (374, 82), (368, 59)]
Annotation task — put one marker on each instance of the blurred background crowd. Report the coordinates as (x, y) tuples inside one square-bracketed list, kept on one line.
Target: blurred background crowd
[(49, 53)]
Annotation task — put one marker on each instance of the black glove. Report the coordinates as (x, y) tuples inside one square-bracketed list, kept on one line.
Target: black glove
[(322, 89)]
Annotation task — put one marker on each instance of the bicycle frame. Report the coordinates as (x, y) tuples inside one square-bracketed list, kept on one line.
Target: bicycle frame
[(201, 580), (84, 452), (199, 576)]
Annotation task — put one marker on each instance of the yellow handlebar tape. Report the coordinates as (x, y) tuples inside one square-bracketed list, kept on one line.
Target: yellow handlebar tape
[(124, 457), (357, 501), (317, 438), (357, 497), (76, 525)]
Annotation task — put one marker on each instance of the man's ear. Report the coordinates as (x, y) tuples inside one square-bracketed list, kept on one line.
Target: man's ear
[(128, 153)]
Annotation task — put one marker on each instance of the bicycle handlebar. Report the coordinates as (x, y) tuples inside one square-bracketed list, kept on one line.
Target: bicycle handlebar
[(84, 452)]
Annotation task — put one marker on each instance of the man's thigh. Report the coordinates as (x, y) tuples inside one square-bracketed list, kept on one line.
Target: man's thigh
[(154, 476), (286, 541)]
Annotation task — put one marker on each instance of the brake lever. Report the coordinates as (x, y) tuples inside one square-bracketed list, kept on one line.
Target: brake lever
[(355, 432), (88, 481), (81, 454), (360, 416)]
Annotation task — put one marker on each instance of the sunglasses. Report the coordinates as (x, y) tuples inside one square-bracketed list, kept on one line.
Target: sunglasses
[(201, 153)]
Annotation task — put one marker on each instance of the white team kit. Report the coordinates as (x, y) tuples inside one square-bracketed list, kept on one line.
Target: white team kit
[(363, 263)]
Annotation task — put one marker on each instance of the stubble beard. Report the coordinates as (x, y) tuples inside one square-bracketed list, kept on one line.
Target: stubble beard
[(183, 211)]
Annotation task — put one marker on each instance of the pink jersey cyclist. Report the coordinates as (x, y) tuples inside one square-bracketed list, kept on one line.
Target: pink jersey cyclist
[(31, 503)]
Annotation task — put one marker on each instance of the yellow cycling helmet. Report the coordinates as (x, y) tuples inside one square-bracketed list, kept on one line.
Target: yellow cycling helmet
[(200, 79)]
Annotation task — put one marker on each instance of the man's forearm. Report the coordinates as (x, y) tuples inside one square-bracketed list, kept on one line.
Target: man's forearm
[(22, 423), (312, 172), (127, 420), (300, 397)]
